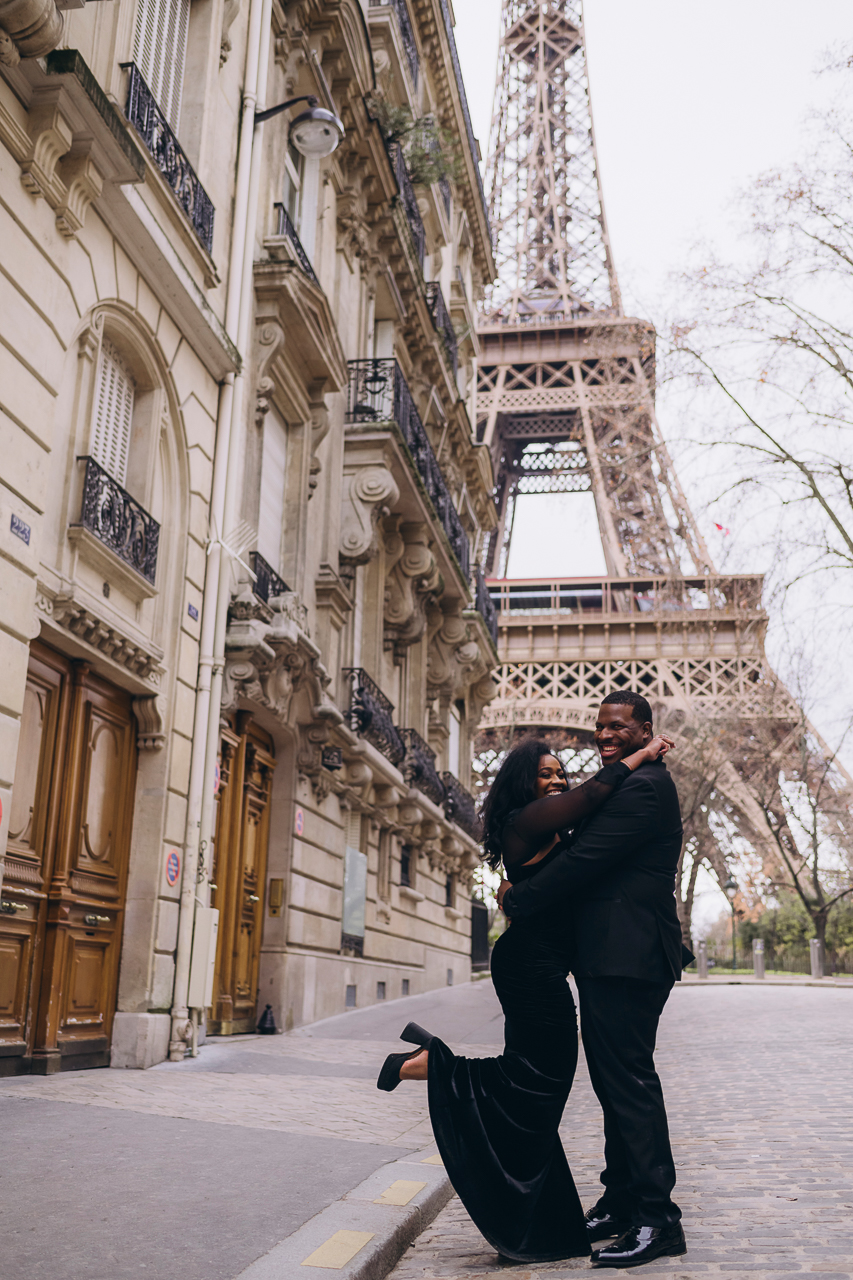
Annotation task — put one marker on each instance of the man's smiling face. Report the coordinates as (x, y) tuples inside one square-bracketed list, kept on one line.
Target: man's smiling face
[(618, 734)]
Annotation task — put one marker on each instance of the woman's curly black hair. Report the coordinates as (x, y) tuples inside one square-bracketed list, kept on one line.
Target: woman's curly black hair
[(514, 787)]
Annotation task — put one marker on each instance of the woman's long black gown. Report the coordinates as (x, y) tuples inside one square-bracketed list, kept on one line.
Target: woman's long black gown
[(496, 1120)]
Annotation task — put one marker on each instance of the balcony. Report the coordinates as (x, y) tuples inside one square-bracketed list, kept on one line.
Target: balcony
[(285, 227), (267, 583), (408, 198), (168, 155), (419, 767), (443, 323), (407, 34), (118, 521), (459, 806), (484, 604), (629, 598), (378, 392), (370, 715)]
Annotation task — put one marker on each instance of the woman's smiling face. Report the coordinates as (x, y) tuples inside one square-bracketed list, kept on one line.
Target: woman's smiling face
[(550, 777)]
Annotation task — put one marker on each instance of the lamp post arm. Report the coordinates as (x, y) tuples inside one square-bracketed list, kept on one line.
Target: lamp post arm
[(310, 98)]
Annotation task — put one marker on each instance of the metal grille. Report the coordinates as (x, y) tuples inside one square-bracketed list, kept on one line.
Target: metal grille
[(419, 766), (459, 806), (285, 227), (168, 155), (443, 323), (118, 521), (408, 198), (378, 392), (267, 582), (370, 715)]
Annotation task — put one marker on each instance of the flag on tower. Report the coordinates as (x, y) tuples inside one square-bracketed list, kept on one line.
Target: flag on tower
[(722, 528)]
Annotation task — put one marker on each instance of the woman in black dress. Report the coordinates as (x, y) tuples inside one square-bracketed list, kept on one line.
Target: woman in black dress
[(496, 1120)]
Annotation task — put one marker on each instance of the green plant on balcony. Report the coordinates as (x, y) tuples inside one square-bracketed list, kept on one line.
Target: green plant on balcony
[(432, 153)]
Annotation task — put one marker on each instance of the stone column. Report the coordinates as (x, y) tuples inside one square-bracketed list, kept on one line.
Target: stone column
[(816, 958), (758, 957), (702, 959)]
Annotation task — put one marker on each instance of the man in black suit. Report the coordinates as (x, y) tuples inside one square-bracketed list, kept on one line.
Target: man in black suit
[(618, 878)]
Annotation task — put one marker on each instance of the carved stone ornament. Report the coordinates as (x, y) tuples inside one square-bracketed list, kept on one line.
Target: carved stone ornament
[(368, 492), (454, 659), (133, 653), (272, 661), (412, 580), (149, 717)]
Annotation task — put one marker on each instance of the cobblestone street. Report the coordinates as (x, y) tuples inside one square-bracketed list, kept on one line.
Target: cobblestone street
[(254, 1137), (757, 1088)]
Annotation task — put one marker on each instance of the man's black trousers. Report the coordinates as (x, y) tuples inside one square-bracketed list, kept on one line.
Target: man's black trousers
[(619, 1022)]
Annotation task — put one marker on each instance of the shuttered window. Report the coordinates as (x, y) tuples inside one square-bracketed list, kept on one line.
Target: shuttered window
[(113, 413), (160, 49), (355, 879), (271, 513)]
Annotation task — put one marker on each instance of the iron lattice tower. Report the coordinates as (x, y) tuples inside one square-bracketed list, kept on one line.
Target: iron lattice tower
[(566, 404)]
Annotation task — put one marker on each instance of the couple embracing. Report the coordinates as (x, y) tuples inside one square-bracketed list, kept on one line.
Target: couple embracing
[(590, 889)]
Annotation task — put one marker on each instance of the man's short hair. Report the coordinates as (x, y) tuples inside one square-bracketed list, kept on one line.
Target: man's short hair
[(640, 709)]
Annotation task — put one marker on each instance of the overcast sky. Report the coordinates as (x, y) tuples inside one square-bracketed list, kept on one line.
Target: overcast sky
[(691, 101)]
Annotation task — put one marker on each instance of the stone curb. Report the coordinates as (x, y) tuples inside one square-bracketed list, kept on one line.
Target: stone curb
[(748, 981), (394, 1227)]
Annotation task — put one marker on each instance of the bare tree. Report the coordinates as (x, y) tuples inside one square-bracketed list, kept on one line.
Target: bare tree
[(772, 336)]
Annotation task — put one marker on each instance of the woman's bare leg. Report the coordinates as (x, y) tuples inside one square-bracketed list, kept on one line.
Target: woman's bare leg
[(415, 1068)]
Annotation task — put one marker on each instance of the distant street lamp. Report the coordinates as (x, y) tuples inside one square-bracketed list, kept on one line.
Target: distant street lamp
[(730, 888)]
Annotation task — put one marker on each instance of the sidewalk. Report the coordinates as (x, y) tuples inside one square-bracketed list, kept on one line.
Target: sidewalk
[(200, 1168)]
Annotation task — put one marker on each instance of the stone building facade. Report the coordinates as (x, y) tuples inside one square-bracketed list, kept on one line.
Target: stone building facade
[(245, 638)]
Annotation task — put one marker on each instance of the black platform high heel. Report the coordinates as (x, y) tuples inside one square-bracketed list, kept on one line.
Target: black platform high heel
[(389, 1076)]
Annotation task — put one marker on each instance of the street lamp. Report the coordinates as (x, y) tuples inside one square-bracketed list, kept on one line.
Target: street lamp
[(315, 132), (730, 888)]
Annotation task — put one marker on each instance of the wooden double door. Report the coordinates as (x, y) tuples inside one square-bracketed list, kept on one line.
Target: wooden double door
[(64, 882), (239, 872)]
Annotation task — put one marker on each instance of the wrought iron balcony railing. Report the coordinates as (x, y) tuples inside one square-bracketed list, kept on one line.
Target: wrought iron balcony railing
[(621, 597), (484, 603), (285, 227), (460, 85), (441, 320), (419, 766), (267, 582), (168, 155), (407, 195), (406, 33), (459, 806), (118, 521), (378, 392), (370, 715)]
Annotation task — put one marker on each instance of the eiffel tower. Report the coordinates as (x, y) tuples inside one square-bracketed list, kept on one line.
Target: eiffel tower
[(566, 403)]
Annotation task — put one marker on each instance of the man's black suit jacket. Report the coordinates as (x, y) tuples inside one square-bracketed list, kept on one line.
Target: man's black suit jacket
[(617, 876)]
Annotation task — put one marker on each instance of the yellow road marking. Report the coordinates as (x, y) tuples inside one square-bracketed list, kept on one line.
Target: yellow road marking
[(436, 1159), (400, 1192), (339, 1249)]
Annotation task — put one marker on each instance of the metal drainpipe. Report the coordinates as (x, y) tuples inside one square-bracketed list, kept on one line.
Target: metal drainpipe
[(181, 1032), (237, 450)]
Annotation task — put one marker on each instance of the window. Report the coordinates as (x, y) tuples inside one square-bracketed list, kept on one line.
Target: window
[(114, 396), (449, 892), (291, 196), (355, 886), (450, 977), (455, 726), (350, 998), (405, 990), (271, 508), (160, 50), (406, 865), (380, 991)]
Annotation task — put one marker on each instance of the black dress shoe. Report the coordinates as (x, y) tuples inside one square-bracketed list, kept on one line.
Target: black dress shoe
[(642, 1244), (601, 1225), (389, 1074)]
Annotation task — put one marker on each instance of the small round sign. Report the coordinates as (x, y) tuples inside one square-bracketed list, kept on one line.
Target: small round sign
[(173, 867), (299, 821)]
